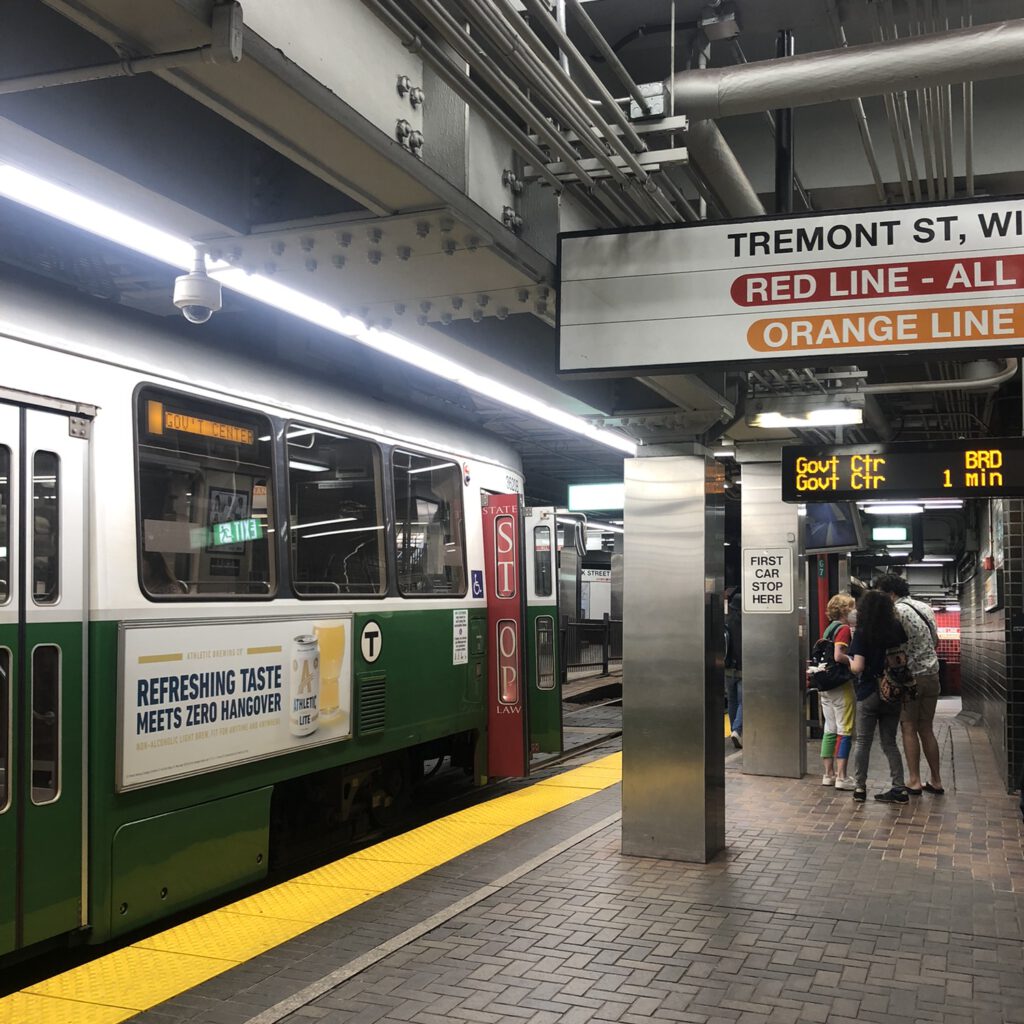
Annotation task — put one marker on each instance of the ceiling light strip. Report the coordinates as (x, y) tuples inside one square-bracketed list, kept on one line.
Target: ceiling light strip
[(72, 208)]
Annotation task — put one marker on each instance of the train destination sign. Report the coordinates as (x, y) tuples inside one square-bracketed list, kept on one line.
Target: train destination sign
[(946, 469), (935, 278), (160, 419)]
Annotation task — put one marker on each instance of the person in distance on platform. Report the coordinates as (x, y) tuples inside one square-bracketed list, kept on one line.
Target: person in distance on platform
[(918, 622), (838, 703), (734, 663), (878, 630)]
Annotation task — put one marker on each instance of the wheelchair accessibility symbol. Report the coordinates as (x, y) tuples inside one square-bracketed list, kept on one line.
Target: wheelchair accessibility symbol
[(478, 582)]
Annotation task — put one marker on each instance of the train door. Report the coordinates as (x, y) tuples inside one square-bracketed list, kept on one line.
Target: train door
[(43, 491), (507, 741), (543, 678)]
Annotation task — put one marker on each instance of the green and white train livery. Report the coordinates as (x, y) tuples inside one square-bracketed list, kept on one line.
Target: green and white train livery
[(240, 608)]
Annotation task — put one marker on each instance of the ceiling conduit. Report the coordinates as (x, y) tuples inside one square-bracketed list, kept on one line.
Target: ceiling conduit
[(718, 166), (958, 384), (962, 55)]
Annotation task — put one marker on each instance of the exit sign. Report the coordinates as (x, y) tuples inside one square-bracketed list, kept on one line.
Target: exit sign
[(239, 531)]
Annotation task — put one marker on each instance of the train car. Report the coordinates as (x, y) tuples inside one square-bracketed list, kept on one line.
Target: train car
[(240, 607)]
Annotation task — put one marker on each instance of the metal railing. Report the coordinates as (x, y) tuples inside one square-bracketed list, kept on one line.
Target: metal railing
[(590, 646)]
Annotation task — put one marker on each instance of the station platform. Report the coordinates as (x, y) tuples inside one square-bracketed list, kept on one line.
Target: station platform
[(523, 909)]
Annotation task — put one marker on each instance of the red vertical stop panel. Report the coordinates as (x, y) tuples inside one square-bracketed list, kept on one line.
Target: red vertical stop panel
[(506, 712)]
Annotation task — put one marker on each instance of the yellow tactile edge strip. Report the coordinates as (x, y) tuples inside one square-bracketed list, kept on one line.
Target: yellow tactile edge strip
[(115, 987)]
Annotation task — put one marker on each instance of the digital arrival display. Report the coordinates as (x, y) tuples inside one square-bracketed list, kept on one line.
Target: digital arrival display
[(992, 468)]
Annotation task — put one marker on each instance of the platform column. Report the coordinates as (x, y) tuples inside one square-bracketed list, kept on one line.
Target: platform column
[(774, 645), (673, 780)]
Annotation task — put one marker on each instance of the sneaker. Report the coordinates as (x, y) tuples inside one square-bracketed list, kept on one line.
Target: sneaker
[(828, 780), (737, 741), (860, 795), (846, 783), (893, 796)]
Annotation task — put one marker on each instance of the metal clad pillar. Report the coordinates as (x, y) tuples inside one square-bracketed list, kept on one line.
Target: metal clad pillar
[(774, 648), (673, 780)]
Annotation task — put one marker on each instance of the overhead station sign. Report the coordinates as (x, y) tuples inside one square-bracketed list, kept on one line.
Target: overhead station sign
[(991, 468), (910, 280)]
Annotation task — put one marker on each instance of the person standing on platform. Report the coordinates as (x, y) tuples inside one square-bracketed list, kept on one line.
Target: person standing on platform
[(838, 703), (878, 631), (734, 664), (918, 622)]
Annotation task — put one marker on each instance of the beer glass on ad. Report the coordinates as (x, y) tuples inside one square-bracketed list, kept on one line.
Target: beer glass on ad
[(332, 650)]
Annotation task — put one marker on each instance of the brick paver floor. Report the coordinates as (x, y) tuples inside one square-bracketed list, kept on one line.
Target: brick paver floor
[(821, 910)]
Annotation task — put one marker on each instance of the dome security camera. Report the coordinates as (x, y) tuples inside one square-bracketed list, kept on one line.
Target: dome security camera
[(195, 294)]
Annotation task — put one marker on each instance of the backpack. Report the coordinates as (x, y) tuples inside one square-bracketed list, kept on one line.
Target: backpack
[(823, 671), (897, 684)]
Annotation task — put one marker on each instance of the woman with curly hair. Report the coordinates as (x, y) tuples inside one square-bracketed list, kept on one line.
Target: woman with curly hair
[(878, 631)]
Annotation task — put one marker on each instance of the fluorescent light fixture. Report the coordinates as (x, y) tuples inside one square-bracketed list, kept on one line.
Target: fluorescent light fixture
[(332, 533), (813, 418), (952, 608), (899, 547), (310, 467), (888, 533), (105, 221), (938, 558), (944, 503), (586, 497), (323, 522), (96, 218), (807, 411), (893, 509), (923, 565), (604, 528)]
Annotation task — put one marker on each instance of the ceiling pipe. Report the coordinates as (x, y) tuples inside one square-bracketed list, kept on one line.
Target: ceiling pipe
[(968, 54), (540, 12), (604, 48), (225, 47), (857, 107), (741, 58), (959, 384), (415, 42), (652, 196), (721, 171), (548, 86), (506, 89)]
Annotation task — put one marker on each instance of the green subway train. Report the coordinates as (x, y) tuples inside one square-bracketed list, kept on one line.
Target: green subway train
[(241, 608)]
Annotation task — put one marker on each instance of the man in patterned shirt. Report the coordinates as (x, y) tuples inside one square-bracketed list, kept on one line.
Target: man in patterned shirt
[(918, 622)]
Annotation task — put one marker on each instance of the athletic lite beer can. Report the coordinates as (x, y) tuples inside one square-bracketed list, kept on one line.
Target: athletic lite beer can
[(304, 693)]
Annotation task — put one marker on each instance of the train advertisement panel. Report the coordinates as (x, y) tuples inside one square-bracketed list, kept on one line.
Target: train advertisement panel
[(195, 697)]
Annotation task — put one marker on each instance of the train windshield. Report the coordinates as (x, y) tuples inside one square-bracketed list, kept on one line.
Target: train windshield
[(205, 498)]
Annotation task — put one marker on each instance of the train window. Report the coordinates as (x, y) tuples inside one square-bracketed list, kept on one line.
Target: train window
[(336, 517), (5, 728), (45, 724), (46, 528), (428, 525), (206, 505), (5, 524), (545, 635), (542, 560)]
